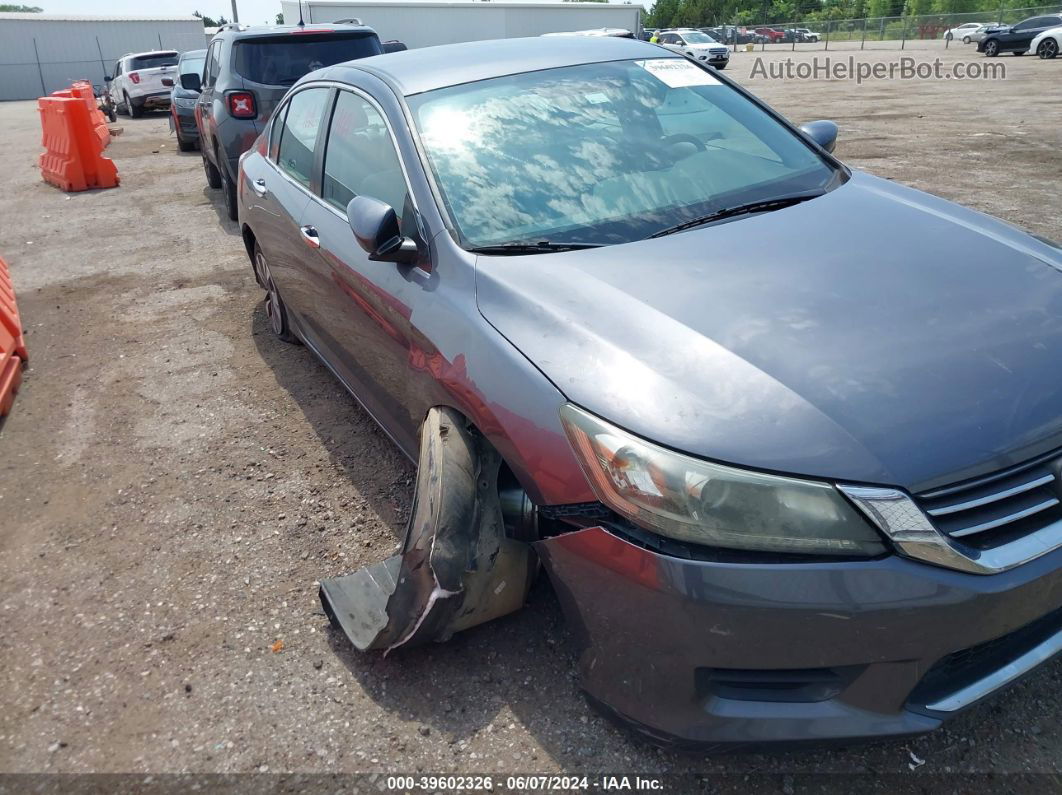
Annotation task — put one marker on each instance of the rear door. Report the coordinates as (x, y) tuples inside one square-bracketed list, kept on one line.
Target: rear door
[(204, 112), (280, 186)]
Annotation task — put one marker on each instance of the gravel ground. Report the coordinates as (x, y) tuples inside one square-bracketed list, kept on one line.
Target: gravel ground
[(173, 481)]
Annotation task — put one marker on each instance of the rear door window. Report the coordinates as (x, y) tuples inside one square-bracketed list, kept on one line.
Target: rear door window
[(360, 159), (299, 135), (281, 60)]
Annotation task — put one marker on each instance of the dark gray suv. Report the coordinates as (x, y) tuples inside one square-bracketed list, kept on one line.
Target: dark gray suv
[(247, 72)]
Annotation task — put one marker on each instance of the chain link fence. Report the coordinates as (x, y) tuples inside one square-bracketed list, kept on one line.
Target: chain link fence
[(929, 31)]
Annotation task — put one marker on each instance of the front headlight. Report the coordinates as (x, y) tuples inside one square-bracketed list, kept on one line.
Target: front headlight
[(705, 503)]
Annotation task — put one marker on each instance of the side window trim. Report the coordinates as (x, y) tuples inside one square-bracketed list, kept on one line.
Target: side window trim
[(314, 174), (319, 167), (276, 127)]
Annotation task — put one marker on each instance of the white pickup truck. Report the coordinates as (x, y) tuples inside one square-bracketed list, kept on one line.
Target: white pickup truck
[(142, 81)]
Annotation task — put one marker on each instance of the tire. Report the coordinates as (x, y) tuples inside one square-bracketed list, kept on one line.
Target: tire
[(991, 48), (1048, 49), (213, 176), (183, 144), (228, 190), (112, 117), (274, 304), (721, 67), (965, 39), (133, 110)]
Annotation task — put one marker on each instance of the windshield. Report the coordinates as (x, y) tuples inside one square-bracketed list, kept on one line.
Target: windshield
[(604, 153), (153, 61), (192, 66), (698, 38), (281, 60)]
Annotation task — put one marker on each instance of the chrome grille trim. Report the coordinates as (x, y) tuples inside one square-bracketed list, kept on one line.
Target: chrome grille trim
[(1004, 520), (999, 495), (901, 519)]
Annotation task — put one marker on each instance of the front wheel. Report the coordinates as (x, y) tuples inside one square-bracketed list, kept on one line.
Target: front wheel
[(275, 309), (1048, 49), (991, 49), (965, 39)]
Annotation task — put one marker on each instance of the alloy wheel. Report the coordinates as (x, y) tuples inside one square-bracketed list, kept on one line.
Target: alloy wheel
[(1048, 49), (273, 310)]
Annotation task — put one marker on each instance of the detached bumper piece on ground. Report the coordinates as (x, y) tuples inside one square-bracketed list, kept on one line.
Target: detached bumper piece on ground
[(457, 568)]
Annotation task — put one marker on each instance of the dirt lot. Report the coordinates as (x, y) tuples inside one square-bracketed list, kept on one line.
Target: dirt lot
[(173, 481)]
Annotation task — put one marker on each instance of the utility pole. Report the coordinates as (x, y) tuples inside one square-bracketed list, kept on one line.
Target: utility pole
[(235, 13)]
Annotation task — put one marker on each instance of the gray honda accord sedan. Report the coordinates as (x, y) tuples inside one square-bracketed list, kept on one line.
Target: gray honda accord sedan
[(784, 493)]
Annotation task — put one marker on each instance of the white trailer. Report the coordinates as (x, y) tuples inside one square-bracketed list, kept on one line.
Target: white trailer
[(425, 24), (40, 53)]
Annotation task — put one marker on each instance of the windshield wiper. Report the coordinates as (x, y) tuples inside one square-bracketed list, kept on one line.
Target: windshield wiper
[(763, 206), (542, 247)]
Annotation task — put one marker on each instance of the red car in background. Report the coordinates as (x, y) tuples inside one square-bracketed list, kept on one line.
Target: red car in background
[(775, 36)]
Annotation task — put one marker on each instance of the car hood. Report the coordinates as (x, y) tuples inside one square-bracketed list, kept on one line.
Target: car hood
[(875, 334)]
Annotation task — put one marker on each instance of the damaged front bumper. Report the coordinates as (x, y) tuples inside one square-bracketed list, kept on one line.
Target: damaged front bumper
[(705, 653), (458, 566)]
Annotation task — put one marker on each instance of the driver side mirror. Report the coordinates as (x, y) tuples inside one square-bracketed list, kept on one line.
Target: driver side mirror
[(190, 81), (107, 78), (824, 133), (376, 229)]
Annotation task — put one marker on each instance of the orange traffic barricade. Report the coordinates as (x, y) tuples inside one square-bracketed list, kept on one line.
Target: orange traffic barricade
[(72, 157), (12, 345), (83, 89)]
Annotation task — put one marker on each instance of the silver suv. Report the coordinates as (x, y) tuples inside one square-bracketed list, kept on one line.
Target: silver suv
[(248, 70)]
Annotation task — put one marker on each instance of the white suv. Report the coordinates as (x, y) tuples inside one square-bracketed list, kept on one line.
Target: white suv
[(696, 46), (142, 81)]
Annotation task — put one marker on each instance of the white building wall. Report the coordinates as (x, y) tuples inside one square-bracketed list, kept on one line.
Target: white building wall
[(425, 24), (36, 48)]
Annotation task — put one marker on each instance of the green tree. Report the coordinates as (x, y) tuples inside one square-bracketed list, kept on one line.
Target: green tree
[(17, 9)]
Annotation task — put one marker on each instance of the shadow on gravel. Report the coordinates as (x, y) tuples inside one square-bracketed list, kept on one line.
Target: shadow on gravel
[(217, 204)]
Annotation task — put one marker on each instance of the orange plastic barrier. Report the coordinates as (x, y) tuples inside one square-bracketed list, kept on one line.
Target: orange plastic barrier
[(12, 346), (83, 89), (72, 157)]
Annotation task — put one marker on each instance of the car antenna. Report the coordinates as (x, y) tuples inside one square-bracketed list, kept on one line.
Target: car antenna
[(301, 23)]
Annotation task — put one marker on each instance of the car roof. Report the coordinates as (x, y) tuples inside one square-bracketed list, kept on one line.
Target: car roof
[(248, 31), (193, 53), (428, 68)]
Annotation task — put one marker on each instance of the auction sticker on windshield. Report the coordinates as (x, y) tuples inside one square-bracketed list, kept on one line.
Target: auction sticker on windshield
[(678, 72)]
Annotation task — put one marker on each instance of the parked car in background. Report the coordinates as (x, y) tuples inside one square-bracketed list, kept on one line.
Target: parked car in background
[(1047, 44), (978, 34), (807, 35), (1017, 38), (784, 491), (696, 46), (962, 32), (182, 100), (247, 72), (773, 36), (136, 84)]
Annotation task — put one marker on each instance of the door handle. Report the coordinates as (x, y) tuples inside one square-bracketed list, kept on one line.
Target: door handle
[(310, 236), (259, 187)]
